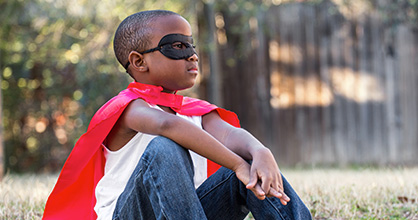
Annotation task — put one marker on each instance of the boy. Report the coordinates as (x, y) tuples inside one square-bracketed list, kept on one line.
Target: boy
[(142, 138)]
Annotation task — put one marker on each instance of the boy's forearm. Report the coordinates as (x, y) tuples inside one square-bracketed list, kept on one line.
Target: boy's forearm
[(244, 144), (191, 137), (236, 139)]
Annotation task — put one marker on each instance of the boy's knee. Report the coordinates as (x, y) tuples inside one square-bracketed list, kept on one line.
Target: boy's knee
[(162, 141), (168, 155)]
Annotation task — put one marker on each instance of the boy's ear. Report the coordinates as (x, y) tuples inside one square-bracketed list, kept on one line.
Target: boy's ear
[(137, 61)]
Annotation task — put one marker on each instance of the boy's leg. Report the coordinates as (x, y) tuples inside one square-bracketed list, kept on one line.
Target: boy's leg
[(161, 186), (224, 196)]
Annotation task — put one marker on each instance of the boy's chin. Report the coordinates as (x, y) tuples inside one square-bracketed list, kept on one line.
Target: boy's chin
[(179, 88), (186, 87)]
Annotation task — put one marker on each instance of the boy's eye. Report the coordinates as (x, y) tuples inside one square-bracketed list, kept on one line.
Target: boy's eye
[(179, 45)]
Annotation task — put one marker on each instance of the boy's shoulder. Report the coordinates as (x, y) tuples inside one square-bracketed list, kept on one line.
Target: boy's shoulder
[(114, 106)]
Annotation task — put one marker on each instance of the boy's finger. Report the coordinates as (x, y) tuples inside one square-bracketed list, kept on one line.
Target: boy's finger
[(284, 196), (281, 183), (253, 180), (265, 185), (284, 199), (274, 193), (284, 202), (258, 192)]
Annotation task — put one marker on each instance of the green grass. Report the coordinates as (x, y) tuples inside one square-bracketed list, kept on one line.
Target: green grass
[(361, 193)]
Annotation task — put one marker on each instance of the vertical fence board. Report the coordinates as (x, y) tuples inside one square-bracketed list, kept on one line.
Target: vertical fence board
[(363, 117), (391, 98), (324, 35), (408, 95), (312, 86), (378, 112)]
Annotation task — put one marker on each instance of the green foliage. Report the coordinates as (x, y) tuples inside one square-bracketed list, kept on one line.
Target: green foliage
[(401, 11), (58, 67)]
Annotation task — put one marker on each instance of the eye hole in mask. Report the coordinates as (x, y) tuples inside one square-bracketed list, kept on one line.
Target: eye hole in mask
[(174, 46)]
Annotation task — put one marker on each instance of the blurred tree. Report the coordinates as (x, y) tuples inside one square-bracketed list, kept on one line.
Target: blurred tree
[(401, 11), (58, 67)]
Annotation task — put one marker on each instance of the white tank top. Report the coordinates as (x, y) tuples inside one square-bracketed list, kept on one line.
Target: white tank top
[(120, 165)]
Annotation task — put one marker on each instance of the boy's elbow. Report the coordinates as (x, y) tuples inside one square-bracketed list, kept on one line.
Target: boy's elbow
[(165, 125)]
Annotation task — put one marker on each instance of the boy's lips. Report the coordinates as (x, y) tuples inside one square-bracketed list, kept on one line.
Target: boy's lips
[(193, 69)]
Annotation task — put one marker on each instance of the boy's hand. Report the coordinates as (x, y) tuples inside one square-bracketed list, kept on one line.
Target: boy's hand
[(263, 177), (243, 174), (265, 173)]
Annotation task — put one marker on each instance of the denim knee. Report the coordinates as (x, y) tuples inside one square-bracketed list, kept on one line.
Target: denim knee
[(166, 147), (166, 151)]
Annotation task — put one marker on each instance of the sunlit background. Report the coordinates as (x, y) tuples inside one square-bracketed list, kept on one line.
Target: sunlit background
[(321, 82)]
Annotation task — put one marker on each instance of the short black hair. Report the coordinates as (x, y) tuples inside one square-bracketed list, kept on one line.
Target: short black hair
[(134, 33)]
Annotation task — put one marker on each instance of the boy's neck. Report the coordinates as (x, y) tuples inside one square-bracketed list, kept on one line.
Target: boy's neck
[(164, 90), (168, 91)]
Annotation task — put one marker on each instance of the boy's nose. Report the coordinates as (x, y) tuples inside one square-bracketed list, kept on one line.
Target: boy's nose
[(194, 57)]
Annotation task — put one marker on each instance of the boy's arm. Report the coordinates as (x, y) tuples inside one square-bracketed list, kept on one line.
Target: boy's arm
[(138, 116), (264, 168)]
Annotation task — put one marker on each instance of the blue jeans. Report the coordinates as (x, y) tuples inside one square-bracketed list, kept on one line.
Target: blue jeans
[(161, 187)]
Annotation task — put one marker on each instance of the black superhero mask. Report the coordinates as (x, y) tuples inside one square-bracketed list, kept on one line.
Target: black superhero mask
[(174, 46)]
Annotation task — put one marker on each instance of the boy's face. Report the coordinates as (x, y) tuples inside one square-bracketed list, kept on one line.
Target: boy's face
[(174, 70)]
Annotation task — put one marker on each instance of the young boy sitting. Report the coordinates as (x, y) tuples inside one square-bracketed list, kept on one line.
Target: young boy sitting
[(144, 155)]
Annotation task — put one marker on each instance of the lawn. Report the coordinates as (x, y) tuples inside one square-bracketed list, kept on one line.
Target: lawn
[(358, 193), (361, 193)]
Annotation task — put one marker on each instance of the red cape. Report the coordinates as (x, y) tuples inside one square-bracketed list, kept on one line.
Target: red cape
[(73, 195)]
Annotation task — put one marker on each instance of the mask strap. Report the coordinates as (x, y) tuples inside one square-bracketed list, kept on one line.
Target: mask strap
[(147, 51), (151, 50)]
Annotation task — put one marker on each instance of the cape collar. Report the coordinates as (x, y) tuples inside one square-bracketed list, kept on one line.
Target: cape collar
[(155, 95)]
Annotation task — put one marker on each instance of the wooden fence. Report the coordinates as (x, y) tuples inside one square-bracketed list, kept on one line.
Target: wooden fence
[(316, 83)]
